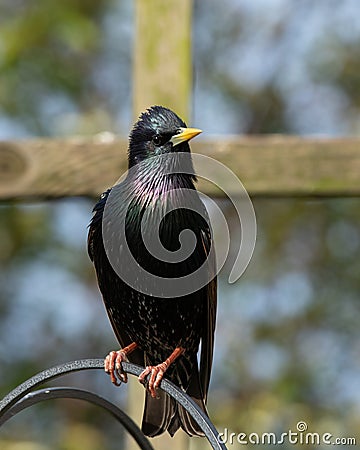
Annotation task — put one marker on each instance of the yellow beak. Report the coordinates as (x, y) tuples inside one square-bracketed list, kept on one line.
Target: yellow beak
[(185, 135)]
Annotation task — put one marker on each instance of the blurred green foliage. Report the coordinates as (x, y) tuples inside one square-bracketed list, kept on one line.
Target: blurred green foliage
[(287, 345), (52, 56)]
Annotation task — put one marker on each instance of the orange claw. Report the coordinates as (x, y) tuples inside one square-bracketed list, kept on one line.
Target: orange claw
[(157, 372), (112, 364)]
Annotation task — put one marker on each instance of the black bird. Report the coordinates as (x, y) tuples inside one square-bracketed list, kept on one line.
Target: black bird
[(161, 332)]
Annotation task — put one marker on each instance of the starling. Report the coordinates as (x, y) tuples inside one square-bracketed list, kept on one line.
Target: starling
[(161, 332)]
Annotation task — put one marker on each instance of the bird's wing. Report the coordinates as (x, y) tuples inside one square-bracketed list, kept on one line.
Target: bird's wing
[(110, 285), (95, 226), (207, 342)]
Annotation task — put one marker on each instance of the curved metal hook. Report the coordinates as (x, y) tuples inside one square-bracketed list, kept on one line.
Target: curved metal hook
[(41, 395), (181, 397)]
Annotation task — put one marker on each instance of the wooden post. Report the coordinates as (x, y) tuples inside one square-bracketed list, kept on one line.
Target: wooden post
[(162, 55), (162, 76)]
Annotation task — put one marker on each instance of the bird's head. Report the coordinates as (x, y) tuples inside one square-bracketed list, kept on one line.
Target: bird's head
[(158, 131)]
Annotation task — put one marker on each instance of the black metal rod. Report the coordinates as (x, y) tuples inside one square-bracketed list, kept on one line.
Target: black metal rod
[(41, 395), (85, 364)]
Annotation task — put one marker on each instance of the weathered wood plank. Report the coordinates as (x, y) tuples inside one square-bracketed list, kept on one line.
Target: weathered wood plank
[(162, 55), (267, 166), (288, 166), (53, 168)]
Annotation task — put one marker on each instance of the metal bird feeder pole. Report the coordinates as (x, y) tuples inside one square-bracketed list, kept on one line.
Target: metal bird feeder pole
[(23, 397)]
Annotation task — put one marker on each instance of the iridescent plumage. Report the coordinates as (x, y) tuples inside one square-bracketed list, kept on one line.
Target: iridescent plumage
[(160, 325)]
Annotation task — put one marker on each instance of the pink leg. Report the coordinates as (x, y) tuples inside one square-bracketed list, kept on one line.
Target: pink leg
[(157, 372), (112, 363)]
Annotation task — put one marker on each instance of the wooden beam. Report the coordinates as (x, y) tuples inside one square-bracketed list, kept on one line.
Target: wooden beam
[(289, 166), (162, 55), (282, 166)]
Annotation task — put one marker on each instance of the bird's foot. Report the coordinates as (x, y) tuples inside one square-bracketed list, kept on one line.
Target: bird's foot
[(157, 372), (112, 366), (156, 375)]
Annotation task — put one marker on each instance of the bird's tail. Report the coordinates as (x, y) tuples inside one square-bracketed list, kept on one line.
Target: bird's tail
[(164, 413)]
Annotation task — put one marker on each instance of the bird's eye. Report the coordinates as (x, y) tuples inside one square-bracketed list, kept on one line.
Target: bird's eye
[(157, 140)]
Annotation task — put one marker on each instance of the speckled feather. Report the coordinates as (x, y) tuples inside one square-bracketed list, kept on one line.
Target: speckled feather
[(159, 325)]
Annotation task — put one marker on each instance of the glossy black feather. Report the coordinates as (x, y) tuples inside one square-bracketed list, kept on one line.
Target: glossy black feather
[(159, 325)]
